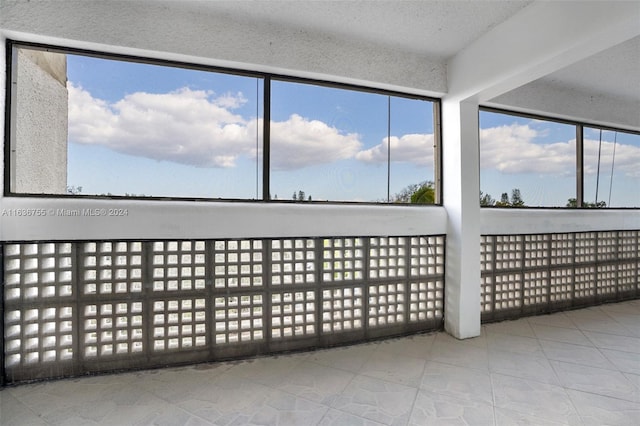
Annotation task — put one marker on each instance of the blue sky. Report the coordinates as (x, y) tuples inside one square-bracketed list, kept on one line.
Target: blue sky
[(153, 130), (162, 131), (539, 158)]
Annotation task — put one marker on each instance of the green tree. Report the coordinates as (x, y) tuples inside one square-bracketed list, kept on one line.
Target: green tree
[(504, 200), (515, 201), (416, 193), (572, 202), (300, 196), (516, 198), (486, 200)]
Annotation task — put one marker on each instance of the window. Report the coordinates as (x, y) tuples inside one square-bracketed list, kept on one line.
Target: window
[(330, 143), (99, 126), (611, 168), (526, 161), (94, 124), (532, 162)]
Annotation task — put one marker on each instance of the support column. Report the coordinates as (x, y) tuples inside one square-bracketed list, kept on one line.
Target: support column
[(461, 194)]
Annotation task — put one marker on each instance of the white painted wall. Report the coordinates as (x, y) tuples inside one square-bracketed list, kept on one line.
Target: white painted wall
[(39, 157), (53, 219)]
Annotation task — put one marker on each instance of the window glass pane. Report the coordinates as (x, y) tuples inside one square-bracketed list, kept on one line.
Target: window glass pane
[(412, 151), (611, 168), (319, 141), (110, 127), (330, 144), (534, 158)]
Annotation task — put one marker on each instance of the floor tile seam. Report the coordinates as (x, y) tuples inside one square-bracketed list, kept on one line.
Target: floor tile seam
[(555, 374), (457, 398), (523, 353), (380, 349), (590, 364), (460, 366), (617, 349), (533, 324), (637, 403), (390, 381), (346, 370), (631, 334), (569, 387), (547, 421), (493, 399), (557, 387), (280, 388), (615, 367), (600, 350), (590, 345), (420, 380), (31, 410), (349, 414)]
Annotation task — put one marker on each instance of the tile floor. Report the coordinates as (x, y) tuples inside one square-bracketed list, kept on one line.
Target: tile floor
[(573, 368)]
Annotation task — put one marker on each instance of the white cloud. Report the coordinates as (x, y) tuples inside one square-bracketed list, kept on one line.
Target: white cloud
[(299, 142), (195, 128), (411, 148), (512, 149), (231, 101), (185, 126), (626, 161)]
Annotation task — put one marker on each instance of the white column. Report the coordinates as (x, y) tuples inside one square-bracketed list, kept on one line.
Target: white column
[(461, 193)]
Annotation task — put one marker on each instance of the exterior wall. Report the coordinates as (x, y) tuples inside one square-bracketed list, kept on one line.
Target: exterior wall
[(39, 157)]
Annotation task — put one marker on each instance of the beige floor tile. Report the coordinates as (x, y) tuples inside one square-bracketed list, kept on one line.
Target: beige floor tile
[(597, 410), (628, 362), (559, 319), (561, 334), (519, 327), (533, 398), (460, 352), (316, 382), (576, 354), (348, 358), (525, 366), (378, 400), (457, 382), (596, 380), (394, 368), (617, 343), (505, 417), (335, 417), (437, 409)]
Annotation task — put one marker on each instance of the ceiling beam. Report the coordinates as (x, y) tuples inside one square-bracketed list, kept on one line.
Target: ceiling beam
[(540, 39)]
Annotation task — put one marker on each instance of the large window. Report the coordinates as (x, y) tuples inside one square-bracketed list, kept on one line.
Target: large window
[(526, 161), (535, 162), (89, 124), (611, 168), (330, 143)]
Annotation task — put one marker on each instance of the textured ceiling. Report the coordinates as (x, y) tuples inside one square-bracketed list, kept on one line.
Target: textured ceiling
[(438, 29), (435, 29), (614, 72)]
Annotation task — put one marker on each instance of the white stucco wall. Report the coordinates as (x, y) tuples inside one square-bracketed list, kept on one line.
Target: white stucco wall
[(39, 156)]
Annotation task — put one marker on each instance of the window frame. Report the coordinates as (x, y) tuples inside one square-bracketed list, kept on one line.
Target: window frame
[(266, 77)]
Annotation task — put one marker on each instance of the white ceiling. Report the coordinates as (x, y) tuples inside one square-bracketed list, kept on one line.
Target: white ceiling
[(615, 72), (438, 30), (357, 40)]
